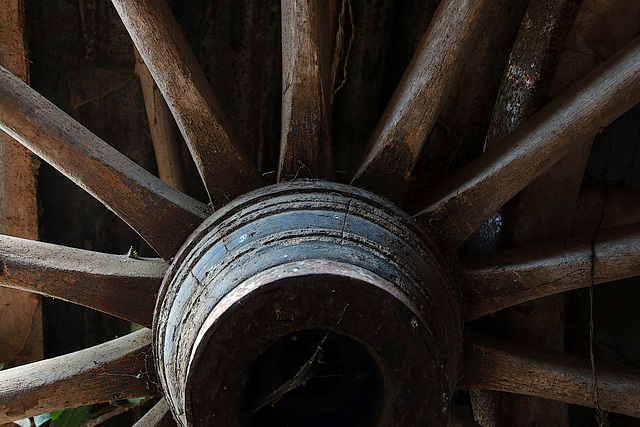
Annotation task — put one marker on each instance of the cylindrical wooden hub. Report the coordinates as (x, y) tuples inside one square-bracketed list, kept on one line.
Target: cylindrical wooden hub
[(308, 303)]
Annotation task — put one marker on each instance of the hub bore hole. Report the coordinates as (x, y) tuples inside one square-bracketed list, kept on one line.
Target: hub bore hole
[(315, 378)]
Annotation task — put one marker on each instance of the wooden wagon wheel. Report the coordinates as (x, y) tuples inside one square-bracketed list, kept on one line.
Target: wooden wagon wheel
[(312, 301)]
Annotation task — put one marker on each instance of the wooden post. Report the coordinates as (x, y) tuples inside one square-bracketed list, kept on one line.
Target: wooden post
[(20, 312)]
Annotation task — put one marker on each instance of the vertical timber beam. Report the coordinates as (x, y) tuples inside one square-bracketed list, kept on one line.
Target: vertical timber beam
[(20, 312)]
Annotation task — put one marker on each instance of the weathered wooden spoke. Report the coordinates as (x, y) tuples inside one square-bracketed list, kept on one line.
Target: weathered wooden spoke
[(305, 145), (503, 279), (224, 168), (396, 142), (158, 416), (121, 285), (165, 134), (119, 369), (458, 207), (524, 89), (495, 365), (144, 202)]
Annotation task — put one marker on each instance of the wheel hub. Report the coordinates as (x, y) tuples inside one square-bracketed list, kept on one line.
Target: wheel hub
[(308, 302)]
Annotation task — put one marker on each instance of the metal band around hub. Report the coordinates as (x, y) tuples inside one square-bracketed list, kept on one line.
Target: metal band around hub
[(308, 302)]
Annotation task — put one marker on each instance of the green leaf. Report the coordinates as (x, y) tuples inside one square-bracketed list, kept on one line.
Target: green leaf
[(74, 417), (55, 415)]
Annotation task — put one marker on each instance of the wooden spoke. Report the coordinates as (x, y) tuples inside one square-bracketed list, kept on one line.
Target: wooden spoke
[(119, 369), (468, 198), (533, 59), (158, 416), (120, 285), (165, 134), (494, 365), (503, 279), (305, 144), (396, 142), (225, 170), (542, 211), (144, 202)]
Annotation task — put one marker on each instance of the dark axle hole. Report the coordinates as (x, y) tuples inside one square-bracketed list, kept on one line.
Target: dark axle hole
[(315, 378)]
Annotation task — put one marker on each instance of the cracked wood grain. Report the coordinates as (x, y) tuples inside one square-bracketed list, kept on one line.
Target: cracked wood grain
[(119, 369), (471, 196), (391, 154), (119, 285), (218, 154), (537, 212), (503, 279), (143, 201), (492, 364), (305, 144)]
